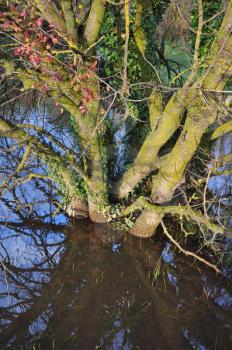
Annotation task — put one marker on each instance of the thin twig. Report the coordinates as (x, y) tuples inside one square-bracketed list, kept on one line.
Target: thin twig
[(187, 252)]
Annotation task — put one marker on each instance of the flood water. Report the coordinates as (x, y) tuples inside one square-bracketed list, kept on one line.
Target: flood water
[(75, 285), (82, 286)]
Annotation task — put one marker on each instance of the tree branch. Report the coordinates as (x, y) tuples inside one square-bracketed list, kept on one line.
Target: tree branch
[(222, 130), (187, 252), (142, 203), (71, 26), (51, 14), (44, 151), (197, 44), (94, 21)]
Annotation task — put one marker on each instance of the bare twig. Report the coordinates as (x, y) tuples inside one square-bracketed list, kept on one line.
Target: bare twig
[(187, 252)]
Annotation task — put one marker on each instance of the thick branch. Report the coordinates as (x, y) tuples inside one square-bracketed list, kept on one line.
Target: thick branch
[(145, 163), (222, 130), (70, 21), (94, 21), (214, 78), (142, 203), (156, 97), (197, 44), (51, 14)]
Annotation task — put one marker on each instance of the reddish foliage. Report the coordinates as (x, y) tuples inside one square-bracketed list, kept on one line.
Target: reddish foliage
[(17, 51), (93, 66), (44, 88), (35, 59), (55, 39), (23, 14), (48, 58), (87, 94), (35, 48), (34, 42), (39, 22), (57, 77), (84, 77), (6, 24), (83, 109)]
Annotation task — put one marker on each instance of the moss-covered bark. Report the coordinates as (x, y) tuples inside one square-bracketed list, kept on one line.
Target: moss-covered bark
[(222, 130), (202, 112), (94, 21), (67, 83), (86, 124), (145, 162)]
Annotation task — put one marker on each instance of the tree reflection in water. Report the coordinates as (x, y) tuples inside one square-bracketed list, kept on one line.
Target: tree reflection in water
[(75, 285), (80, 286)]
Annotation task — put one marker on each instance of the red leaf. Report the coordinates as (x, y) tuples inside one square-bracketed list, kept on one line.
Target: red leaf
[(55, 39), (39, 22), (94, 66), (83, 109), (27, 50), (42, 38), (49, 58), (23, 14), (35, 59), (87, 94), (44, 88), (84, 76), (6, 24), (57, 77), (26, 35), (17, 51)]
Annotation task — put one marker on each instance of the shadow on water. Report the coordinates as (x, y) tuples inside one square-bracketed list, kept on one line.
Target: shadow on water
[(86, 287)]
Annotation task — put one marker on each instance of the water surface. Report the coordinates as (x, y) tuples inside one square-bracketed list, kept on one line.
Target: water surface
[(83, 286), (76, 285)]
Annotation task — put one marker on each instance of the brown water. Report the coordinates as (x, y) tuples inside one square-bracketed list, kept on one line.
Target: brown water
[(81, 286), (84, 287)]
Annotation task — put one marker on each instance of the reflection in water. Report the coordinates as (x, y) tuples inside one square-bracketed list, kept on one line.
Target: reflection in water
[(83, 287), (80, 286)]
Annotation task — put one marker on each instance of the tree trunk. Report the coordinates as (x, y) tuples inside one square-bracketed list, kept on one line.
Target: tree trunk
[(202, 112)]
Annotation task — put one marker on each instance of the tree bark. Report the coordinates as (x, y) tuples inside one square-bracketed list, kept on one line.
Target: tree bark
[(201, 114)]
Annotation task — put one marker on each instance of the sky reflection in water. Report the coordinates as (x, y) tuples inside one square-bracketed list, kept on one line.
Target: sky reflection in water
[(75, 285)]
